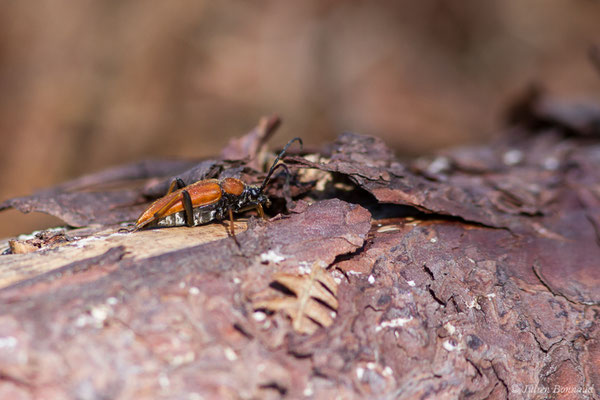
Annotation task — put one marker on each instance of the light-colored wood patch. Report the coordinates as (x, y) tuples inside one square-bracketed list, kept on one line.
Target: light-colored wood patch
[(86, 243)]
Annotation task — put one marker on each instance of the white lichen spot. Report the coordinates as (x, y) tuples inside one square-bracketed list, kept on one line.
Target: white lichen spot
[(237, 280), (304, 268), (259, 316), (163, 381), (450, 328), (194, 291), (337, 279), (449, 345), (439, 165), (491, 295), (112, 301), (512, 157), (182, 285), (271, 256), (397, 334), (100, 313), (81, 243), (371, 279), (182, 359), (433, 240), (81, 321), (474, 304), (308, 390), (230, 354), (411, 283), (387, 371), (8, 342), (360, 372), (371, 365), (393, 323), (551, 163)]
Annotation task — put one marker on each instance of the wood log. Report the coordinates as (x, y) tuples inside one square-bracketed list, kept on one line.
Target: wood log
[(473, 273)]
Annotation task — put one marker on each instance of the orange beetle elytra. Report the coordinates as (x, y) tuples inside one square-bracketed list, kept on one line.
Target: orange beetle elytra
[(207, 200)]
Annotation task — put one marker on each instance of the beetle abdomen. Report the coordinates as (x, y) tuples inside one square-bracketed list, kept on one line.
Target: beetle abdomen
[(202, 215)]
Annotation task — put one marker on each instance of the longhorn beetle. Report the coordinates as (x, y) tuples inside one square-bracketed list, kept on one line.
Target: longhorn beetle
[(208, 200)]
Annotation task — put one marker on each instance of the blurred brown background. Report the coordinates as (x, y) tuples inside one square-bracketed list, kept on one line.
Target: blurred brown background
[(89, 84)]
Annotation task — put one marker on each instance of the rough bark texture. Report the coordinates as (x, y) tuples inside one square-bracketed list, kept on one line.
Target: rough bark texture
[(470, 274)]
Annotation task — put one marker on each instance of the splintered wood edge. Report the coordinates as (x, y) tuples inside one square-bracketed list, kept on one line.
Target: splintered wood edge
[(138, 245)]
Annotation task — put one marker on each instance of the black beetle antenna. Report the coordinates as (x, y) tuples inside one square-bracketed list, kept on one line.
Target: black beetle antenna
[(274, 166)]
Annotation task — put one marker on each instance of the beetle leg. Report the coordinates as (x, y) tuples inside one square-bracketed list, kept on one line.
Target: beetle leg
[(260, 211), (171, 187), (176, 182), (162, 210), (232, 227), (187, 206)]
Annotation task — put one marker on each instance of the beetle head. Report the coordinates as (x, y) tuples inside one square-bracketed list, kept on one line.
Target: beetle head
[(255, 195)]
